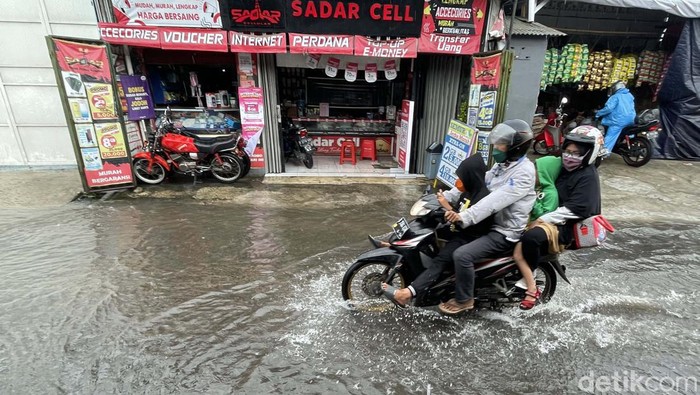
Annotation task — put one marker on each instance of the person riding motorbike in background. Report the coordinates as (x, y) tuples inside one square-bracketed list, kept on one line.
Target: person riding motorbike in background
[(470, 189), (578, 186), (512, 185), (618, 113)]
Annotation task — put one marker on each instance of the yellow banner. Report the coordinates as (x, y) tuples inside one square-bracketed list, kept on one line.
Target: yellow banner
[(101, 99), (111, 140)]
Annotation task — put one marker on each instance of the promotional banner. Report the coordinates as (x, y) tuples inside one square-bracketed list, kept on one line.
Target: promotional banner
[(398, 48), (459, 144), (194, 39), (405, 135), (252, 123), (266, 43), (140, 36), (371, 72), (351, 72), (487, 110), (101, 100), (139, 103), (482, 146), (181, 13), (332, 66), (486, 71), (331, 44), (390, 70), (452, 27), (85, 82)]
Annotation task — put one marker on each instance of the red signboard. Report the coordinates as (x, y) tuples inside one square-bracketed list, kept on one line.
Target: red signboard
[(452, 29), (486, 71), (398, 48), (316, 44), (266, 43), (139, 36), (84, 59), (194, 39)]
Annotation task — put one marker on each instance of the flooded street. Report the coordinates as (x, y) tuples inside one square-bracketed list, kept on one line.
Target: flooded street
[(242, 295)]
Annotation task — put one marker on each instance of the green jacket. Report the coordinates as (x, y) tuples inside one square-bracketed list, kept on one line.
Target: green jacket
[(548, 169)]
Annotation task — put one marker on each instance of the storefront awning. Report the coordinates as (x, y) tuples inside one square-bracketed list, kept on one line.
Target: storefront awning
[(682, 8)]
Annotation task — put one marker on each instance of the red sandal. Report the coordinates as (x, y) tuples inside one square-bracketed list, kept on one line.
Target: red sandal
[(529, 304)]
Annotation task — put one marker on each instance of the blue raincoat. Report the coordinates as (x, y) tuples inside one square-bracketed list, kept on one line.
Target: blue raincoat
[(617, 113)]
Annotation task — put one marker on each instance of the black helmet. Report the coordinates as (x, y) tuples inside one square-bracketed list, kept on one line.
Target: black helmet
[(516, 134), (616, 86)]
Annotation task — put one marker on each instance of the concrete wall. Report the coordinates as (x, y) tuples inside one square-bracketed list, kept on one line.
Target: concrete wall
[(33, 129), (525, 76)]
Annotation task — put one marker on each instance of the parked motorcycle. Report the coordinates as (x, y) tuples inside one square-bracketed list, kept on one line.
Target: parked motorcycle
[(179, 151), (297, 144), (633, 144), (549, 141), (415, 244)]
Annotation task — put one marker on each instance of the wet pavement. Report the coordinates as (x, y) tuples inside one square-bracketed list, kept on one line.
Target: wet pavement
[(236, 289)]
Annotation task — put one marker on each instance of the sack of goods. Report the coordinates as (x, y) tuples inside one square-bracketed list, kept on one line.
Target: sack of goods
[(624, 68), (650, 67), (599, 73)]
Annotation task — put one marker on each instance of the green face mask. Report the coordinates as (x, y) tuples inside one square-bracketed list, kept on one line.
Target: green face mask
[(498, 155)]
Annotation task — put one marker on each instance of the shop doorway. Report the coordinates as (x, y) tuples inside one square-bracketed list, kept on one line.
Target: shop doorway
[(338, 112)]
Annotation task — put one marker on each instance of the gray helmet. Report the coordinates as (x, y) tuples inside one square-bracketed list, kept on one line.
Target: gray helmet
[(616, 86), (516, 134)]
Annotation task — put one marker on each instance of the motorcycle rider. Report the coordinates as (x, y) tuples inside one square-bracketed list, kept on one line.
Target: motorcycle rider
[(470, 189), (578, 186), (512, 184), (618, 113)]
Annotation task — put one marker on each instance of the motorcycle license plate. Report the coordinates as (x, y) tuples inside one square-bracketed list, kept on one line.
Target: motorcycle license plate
[(400, 228)]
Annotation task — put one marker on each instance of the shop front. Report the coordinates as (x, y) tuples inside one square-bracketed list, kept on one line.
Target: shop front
[(352, 74)]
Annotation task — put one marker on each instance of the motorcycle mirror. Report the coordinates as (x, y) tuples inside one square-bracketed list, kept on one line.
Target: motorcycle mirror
[(564, 100)]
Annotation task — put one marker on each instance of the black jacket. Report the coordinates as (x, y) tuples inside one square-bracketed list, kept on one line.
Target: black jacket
[(472, 172), (579, 191)]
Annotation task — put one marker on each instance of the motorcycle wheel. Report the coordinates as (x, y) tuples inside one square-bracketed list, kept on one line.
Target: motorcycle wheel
[(540, 147), (246, 165), (362, 283), (308, 161), (641, 146), (155, 176), (546, 280), (229, 171)]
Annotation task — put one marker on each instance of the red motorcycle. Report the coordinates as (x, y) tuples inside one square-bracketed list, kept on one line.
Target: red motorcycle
[(549, 141), (183, 152)]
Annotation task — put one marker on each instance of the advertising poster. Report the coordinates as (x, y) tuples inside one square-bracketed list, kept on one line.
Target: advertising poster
[(397, 48), (405, 135), (101, 100), (111, 140), (79, 110), (487, 109), (91, 159), (73, 84), (459, 144), (482, 146), (474, 95), (84, 76), (351, 72), (452, 27), (472, 115), (139, 104), (371, 72), (251, 105), (182, 13), (86, 135)]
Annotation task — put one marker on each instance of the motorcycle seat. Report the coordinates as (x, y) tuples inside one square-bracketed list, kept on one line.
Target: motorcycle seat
[(215, 145), (206, 137), (633, 129)]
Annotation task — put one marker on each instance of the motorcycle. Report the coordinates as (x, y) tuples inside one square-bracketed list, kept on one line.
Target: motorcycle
[(633, 144), (549, 141), (413, 246), (170, 150), (297, 144)]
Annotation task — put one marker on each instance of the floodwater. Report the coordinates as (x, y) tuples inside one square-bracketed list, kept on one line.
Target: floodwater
[(242, 295)]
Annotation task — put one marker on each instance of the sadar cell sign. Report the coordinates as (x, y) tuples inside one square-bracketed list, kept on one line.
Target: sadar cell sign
[(459, 144), (353, 17)]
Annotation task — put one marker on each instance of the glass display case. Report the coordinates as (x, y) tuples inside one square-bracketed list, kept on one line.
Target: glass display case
[(347, 127), (204, 120)]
